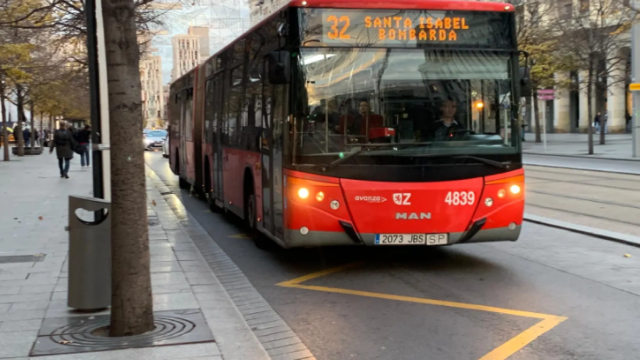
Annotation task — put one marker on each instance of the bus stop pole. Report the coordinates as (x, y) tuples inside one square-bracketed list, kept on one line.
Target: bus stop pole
[(94, 94), (635, 68), (104, 102)]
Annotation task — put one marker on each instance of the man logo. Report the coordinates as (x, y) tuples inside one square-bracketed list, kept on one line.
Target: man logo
[(413, 216), (402, 199)]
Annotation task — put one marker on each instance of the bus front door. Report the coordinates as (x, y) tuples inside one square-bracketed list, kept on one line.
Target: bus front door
[(218, 92)]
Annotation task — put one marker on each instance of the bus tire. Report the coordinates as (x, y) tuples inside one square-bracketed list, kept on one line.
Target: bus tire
[(184, 184), (209, 197), (250, 218)]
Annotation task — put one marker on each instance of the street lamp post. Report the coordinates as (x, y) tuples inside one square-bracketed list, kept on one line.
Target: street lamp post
[(635, 78)]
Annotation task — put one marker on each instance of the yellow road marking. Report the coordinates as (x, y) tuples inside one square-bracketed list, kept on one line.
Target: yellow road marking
[(240, 236), (502, 352), (524, 338), (297, 281)]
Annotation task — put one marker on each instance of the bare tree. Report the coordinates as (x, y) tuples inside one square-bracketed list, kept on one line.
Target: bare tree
[(589, 38), (534, 38), (5, 132)]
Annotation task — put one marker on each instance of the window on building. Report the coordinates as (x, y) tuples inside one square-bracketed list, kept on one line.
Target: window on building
[(584, 6), (565, 9)]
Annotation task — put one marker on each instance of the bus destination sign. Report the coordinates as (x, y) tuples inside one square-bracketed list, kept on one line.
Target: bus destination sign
[(400, 28), (407, 28)]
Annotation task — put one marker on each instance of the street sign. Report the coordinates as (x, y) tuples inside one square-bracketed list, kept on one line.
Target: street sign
[(546, 91), (546, 97), (634, 87)]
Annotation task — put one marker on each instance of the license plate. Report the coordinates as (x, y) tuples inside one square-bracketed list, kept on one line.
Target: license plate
[(412, 239)]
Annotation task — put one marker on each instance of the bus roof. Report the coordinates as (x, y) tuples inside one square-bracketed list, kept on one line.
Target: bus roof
[(461, 5), (406, 4)]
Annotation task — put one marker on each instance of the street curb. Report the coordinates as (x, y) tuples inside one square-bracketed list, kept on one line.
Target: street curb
[(267, 327), (581, 156), (585, 230), (581, 168)]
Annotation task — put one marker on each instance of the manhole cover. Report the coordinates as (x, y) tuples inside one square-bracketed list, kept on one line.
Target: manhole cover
[(22, 258), (74, 334)]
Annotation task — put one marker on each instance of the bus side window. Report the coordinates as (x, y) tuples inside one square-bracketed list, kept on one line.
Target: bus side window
[(234, 105), (209, 109)]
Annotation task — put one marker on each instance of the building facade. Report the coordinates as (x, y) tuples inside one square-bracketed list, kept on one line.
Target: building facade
[(186, 54), (152, 92), (565, 109), (202, 33)]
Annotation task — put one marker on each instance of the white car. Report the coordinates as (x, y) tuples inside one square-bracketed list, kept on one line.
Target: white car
[(165, 147), (154, 139)]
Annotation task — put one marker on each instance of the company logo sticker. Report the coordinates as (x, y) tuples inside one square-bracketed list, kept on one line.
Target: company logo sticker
[(371, 199), (402, 199)]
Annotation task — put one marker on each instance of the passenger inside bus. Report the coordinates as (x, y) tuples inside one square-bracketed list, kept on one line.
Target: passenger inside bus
[(359, 124)]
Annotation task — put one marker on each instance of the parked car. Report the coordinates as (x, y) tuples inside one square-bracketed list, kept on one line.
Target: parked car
[(165, 147), (154, 139)]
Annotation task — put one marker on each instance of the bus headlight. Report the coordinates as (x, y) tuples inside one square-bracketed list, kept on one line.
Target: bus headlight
[(515, 189), (303, 193)]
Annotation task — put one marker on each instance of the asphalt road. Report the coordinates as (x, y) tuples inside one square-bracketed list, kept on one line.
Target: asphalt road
[(553, 295)]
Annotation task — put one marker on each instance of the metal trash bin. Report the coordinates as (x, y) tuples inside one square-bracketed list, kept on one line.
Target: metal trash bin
[(89, 256)]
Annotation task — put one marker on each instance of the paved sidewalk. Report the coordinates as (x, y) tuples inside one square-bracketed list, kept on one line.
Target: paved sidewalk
[(33, 215), (617, 146)]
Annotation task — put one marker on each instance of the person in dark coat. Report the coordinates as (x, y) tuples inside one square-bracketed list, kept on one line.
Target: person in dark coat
[(84, 138), (64, 143), (26, 135)]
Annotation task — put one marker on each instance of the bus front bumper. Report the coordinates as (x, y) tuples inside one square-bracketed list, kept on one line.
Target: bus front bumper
[(294, 238)]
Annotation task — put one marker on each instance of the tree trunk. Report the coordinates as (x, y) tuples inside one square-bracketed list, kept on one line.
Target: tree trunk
[(536, 116), (603, 123), (33, 126), (131, 305), (17, 131), (590, 108), (5, 133), (42, 139)]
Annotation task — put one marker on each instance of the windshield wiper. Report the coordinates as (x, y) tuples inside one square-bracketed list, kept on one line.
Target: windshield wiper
[(362, 147), (356, 151), (501, 165)]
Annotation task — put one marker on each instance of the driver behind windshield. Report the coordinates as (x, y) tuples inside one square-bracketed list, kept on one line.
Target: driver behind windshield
[(447, 128)]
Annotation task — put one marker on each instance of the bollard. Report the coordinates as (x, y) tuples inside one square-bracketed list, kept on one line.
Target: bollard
[(89, 256)]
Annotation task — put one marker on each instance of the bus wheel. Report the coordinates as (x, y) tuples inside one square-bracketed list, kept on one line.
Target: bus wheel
[(250, 215), (212, 203), (184, 184)]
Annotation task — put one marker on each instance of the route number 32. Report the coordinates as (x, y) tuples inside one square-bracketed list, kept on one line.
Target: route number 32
[(336, 33), (456, 198)]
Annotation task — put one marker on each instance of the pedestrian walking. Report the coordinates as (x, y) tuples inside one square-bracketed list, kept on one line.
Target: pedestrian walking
[(26, 136), (36, 138), (596, 122), (84, 137), (64, 143)]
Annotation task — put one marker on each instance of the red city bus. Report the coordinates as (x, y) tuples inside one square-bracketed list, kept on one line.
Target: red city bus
[(360, 123)]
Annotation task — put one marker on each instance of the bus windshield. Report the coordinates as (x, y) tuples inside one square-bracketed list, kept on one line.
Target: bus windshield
[(416, 101)]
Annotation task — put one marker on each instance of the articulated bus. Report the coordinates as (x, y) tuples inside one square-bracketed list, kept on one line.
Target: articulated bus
[(353, 122)]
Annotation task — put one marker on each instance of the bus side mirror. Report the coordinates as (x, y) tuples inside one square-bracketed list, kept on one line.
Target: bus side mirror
[(525, 82), (279, 67)]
